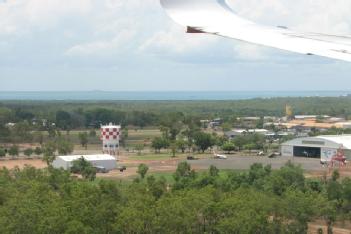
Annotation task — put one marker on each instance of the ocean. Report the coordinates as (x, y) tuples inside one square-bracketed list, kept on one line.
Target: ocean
[(158, 95)]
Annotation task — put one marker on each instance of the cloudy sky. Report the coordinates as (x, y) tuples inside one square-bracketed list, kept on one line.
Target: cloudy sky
[(132, 45)]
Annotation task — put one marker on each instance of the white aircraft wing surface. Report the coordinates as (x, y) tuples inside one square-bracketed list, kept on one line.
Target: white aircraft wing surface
[(216, 17)]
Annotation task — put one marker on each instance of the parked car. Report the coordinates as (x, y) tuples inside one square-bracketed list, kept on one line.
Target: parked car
[(101, 169), (190, 157), (220, 156), (274, 154), (121, 168)]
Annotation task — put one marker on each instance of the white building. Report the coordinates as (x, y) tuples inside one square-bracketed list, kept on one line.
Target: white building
[(323, 147), (305, 117), (103, 160), (238, 132)]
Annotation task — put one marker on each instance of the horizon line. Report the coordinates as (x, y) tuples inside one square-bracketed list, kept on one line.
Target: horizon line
[(166, 91)]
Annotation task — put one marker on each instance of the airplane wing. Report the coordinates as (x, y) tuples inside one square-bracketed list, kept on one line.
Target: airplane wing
[(216, 17)]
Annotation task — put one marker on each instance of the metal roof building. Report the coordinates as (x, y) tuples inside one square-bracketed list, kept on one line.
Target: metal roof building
[(238, 132), (101, 160), (323, 147)]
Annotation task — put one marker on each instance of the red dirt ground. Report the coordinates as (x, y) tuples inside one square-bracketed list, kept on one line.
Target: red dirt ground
[(10, 164)]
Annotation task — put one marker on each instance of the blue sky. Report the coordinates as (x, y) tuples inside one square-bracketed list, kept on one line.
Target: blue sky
[(132, 45)]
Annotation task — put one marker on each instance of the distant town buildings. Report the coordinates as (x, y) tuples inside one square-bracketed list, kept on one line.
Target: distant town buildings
[(215, 123), (290, 125), (239, 132)]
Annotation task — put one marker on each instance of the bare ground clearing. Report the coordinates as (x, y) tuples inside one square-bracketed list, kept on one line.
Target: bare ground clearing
[(311, 166)]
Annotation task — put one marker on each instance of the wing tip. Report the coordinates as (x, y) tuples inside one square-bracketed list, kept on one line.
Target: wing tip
[(190, 29)]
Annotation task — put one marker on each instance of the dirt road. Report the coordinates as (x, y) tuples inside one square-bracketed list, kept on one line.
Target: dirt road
[(311, 166)]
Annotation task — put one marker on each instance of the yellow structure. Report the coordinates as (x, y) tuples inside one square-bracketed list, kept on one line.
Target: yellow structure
[(288, 111)]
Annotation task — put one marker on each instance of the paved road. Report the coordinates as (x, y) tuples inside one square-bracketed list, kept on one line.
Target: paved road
[(244, 162)]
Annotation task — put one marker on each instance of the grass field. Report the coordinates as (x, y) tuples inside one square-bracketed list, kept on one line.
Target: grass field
[(135, 137), (165, 155), (143, 133), (141, 137), (161, 156)]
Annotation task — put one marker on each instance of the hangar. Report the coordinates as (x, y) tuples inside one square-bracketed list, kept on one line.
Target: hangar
[(102, 160), (324, 147)]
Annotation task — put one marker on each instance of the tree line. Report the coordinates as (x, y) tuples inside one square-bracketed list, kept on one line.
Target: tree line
[(31, 118), (250, 107), (145, 113), (260, 200)]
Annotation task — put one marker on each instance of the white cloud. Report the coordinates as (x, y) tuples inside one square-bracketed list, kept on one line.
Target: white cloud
[(176, 41), (39, 10), (117, 26), (102, 47), (21, 16), (248, 51), (114, 3), (140, 26), (76, 40)]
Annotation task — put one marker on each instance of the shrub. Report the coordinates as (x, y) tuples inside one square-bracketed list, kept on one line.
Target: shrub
[(14, 150), (28, 152), (38, 151), (2, 152)]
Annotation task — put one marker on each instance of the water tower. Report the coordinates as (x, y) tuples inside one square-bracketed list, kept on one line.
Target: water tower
[(110, 135)]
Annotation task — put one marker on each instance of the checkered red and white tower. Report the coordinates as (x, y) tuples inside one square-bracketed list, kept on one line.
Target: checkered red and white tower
[(110, 135)]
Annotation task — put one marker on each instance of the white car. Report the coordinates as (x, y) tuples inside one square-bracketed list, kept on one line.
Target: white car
[(220, 156)]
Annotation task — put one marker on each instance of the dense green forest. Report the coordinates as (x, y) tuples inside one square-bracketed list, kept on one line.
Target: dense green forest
[(148, 112), (257, 201), (32, 118)]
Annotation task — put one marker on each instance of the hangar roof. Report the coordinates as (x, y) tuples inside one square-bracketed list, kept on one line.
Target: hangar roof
[(98, 157), (344, 140)]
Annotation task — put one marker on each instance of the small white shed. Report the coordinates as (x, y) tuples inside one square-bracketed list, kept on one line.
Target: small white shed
[(102, 160)]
